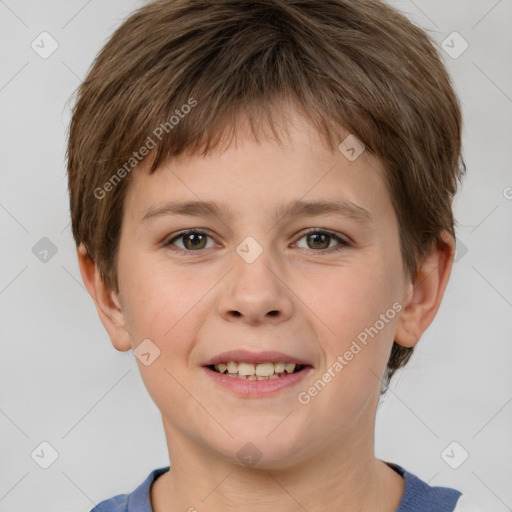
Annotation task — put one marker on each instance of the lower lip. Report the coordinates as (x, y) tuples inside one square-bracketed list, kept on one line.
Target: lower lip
[(257, 388)]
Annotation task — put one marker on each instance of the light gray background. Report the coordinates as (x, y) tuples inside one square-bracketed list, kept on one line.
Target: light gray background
[(62, 381)]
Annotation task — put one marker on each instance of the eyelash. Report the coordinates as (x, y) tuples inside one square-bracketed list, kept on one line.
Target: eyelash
[(342, 242)]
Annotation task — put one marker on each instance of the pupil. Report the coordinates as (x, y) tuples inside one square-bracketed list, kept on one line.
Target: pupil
[(316, 236), (195, 244)]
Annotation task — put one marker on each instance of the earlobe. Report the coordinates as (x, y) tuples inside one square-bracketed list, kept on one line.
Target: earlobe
[(107, 302), (423, 296)]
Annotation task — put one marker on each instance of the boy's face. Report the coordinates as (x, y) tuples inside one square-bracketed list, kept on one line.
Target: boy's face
[(299, 296)]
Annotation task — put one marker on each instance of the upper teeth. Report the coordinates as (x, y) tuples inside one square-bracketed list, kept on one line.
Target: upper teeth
[(260, 370)]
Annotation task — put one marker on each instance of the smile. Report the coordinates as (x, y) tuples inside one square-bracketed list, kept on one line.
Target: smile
[(254, 385), (261, 371)]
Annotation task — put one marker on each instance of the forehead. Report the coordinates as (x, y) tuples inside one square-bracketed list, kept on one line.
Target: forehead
[(264, 175)]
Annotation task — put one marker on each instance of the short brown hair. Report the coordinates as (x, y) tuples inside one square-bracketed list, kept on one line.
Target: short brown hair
[(355, 64)]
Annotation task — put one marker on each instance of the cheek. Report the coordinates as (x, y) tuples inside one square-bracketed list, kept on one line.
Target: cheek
[(167, 306), (352, 299), (157, 298), (356, 352), (357, 312), (163, 307)]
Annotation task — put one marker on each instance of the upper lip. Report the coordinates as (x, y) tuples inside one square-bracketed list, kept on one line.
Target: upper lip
[(245, 356)]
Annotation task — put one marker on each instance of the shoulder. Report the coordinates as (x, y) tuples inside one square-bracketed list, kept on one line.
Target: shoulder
[(466, 504), (137, 501), (118, 503), (419, 496)]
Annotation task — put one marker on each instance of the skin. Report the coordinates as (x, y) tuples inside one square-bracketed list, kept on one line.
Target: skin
[(194, 305)]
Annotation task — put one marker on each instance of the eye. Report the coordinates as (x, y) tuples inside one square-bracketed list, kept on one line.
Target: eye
[(321, 239), (193, 240)]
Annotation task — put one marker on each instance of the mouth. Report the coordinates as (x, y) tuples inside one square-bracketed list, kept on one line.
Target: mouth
[(260, 371), (256, 374)]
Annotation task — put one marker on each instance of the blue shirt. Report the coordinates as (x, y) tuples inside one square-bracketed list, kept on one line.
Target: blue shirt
[(418, 496)]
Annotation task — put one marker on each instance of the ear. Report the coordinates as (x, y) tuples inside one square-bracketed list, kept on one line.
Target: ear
[(106, 301), (423, 296)]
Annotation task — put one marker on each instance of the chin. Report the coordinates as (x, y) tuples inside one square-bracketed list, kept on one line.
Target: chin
[(253, 449)]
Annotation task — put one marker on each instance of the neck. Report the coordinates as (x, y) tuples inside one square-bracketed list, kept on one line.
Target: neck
[(346, 476)]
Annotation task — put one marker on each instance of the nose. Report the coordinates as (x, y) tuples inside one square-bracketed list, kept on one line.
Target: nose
[(256, 292)]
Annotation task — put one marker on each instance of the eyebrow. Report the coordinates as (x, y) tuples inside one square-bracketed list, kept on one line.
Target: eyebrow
[(294, 209)]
